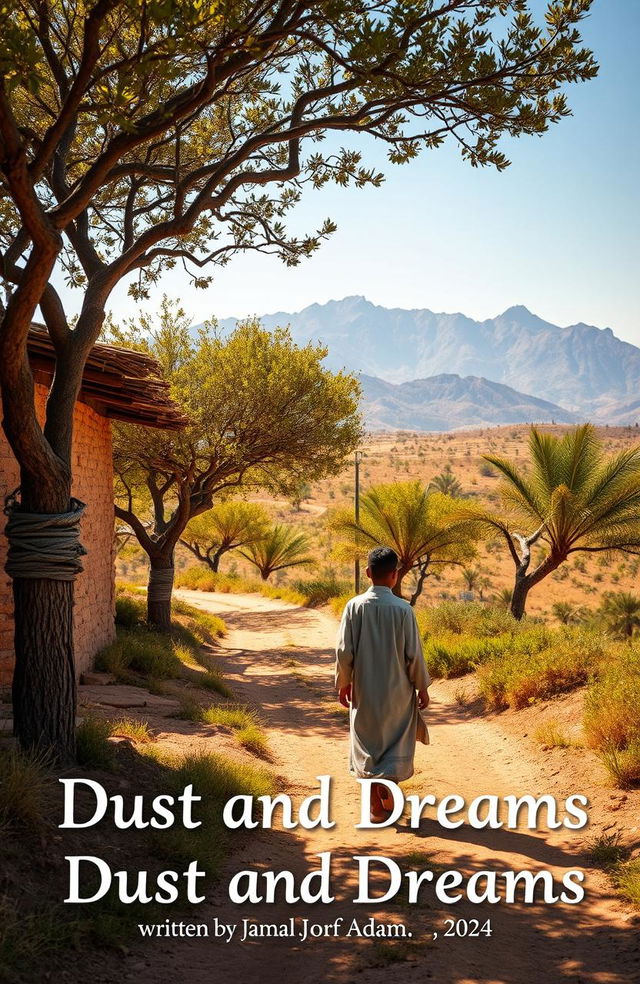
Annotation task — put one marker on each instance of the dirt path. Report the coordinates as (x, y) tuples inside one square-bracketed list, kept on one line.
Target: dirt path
[(594, 941)]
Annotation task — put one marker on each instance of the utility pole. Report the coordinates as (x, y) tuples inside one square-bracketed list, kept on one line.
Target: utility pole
[(357, 460)]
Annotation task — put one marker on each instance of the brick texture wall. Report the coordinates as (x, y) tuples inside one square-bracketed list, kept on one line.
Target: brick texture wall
[(93, 484)]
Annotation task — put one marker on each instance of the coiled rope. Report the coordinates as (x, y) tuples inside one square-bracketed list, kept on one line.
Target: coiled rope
[(43, 545), (161, 583)]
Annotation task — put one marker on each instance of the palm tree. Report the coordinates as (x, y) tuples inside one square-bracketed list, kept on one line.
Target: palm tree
[(568, 614), (227, 526), (620, 612), (421, 526), (472, 577), (572, 497), (280, 547), (503, 597), (446, 482)]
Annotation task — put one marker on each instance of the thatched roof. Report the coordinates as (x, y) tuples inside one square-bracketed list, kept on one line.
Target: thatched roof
[(117, 382)]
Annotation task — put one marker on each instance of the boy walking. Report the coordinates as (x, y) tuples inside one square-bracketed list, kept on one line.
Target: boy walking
[(379, 668)]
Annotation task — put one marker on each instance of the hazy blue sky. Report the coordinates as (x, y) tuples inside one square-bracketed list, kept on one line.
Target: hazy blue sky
[(558, 231)]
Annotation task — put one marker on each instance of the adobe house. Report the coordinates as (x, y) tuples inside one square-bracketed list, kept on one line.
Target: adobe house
[(118, 384)]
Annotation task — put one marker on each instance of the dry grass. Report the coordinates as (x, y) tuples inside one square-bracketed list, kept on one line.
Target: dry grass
[(24, 778), (627, 879), (622, 764), (551, 735), (126, 727)]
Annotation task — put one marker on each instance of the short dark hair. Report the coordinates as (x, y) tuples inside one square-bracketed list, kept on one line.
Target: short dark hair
[(382, 560)]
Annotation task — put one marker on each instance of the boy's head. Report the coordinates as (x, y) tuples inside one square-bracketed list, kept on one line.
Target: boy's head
[(382, 566)]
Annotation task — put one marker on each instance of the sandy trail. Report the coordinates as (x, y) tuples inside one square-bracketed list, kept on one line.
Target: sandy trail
[(592, 942)]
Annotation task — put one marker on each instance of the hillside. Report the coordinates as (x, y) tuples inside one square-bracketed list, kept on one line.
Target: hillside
[(586, 370), (449, 402)]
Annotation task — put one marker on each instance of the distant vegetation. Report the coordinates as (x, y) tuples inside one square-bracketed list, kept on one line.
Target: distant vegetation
[(457, 575)]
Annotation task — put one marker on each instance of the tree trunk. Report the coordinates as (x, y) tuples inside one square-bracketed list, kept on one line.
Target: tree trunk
[(44, 681), (519, 597), (159, 591), (524, 582), (397, 588), (213, 560)]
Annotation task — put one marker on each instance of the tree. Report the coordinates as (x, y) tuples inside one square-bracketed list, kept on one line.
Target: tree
[(136, 134), (299, 494), (263, 411), (421, 526), (573, 497), (227, 526), (447, 483), (620, 612), (472, 577), (280, 548)]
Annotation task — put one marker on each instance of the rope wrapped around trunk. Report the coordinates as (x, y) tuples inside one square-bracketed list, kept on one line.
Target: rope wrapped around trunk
[(161, 583), (43, 545)]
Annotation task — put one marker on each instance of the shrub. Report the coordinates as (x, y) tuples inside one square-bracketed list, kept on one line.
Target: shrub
[(130, 611), (466, 618), (612, 702), (318, 591), (337, 604), (622, 764), (540, 663)]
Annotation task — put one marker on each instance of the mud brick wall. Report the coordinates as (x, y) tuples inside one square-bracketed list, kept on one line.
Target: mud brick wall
[(93, 484)]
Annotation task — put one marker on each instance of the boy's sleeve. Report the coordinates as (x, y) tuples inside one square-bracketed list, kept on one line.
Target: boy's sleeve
[(414, 657), (344, 650)]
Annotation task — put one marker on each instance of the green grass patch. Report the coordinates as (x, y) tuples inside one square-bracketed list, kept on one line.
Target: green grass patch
[(140, 652), (606, 850), (216, 779), (93, 748), (26, 937), (253, 738), (242, 721), (319, 591), (306, 592), (212, 680)]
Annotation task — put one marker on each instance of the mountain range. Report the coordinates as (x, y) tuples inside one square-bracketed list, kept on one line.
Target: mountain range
[(429, 371)]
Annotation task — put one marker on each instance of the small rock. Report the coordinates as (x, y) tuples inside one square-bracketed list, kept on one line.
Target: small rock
[(96, 679)]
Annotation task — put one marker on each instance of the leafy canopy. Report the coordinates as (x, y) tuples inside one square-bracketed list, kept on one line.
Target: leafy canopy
[(263, 411), (280, 547), (579, 497), (422, 526), (153, 132), (228, 525)]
